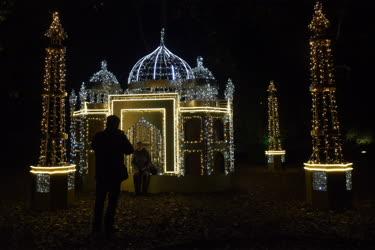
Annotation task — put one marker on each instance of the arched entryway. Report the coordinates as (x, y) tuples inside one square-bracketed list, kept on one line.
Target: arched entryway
[(147, 133)]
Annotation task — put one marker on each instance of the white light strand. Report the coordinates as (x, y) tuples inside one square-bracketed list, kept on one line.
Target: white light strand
[(273, 136), (319, 181), (202, 73), (103, 76), (200, 93), (229, 90), (147, 133), (208, 137), (43, 183), (161, 64), (83, 94)]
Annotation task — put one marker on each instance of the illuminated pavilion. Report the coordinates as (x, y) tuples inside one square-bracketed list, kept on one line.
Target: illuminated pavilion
[(174, 109)]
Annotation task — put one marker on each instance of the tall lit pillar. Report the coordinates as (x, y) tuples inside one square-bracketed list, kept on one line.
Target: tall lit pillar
[(275, 155), (53, 177), (328, 175)]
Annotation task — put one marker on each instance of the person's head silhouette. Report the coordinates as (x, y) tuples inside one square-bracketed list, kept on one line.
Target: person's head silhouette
[(139, 145), (112, 122)]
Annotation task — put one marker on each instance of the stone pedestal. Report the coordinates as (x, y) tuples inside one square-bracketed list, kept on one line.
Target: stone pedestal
[(51, 191), (274, 163), (329, 190)]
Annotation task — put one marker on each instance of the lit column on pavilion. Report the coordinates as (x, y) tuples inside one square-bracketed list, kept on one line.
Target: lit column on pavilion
[(53, 185), (328, 176), (275, 155), (229, 95)]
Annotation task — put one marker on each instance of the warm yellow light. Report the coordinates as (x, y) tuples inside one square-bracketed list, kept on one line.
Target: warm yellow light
[(339, 167), (53, 169), (275, 152), (142, 97), (151, 110), (88, 111), (203, 110), (78, 113), (177, 110), (155, 97)]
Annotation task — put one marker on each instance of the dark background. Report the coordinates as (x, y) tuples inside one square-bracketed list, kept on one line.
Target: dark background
[(250, 41)]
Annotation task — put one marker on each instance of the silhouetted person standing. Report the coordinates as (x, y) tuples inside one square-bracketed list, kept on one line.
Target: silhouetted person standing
[(110, 146)]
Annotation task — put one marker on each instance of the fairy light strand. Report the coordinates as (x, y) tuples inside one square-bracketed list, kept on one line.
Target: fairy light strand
[(53, 152), (327, 155)]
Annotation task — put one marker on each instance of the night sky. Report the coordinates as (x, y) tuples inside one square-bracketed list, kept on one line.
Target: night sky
[(250, 41)]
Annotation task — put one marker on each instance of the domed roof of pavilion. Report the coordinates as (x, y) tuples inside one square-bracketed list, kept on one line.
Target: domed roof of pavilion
[(103, 76), (201, 73), (161, 64)]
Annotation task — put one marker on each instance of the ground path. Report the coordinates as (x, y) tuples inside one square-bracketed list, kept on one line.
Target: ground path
[(252, 219)]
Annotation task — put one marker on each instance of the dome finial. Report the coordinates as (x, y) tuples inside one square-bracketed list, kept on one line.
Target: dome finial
[(104, 65), (161, 64), (103, 75), (162, 32), (199, 61)]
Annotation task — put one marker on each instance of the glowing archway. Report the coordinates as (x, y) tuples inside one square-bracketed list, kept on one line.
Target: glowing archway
[(146, 132)]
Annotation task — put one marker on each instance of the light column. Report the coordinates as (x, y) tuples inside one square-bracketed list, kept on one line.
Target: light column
[(275, 155), (328, 175), (53, 177)]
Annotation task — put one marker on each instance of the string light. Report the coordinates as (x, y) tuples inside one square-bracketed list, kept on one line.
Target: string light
[(103, 76), (320, 180), (155, 151), (52, 169), (53, 159), (275, 152), (327, 155), (163, 82), (73, 99), (274, 141), (151, 100), (83, 94), (229, 90), (206, 92), (148, 133), (202, 73), (102, 83), (229, 94), (205, 88), (161, 64)]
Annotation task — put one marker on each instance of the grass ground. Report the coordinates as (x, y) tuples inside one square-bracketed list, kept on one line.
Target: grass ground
[(254, 216)]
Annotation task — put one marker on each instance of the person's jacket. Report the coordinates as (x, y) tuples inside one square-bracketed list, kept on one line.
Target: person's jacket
[(110, 147), (141, 160)]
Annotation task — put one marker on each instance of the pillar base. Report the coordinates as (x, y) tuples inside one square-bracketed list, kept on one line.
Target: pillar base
[(52, 191), (275, 162), (328, 190)]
